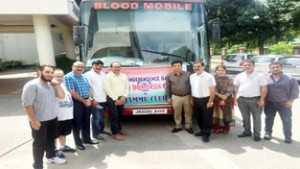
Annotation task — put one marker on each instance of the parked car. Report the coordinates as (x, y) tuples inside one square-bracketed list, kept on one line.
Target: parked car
[(234, 62), (262, 62), (291, 65)]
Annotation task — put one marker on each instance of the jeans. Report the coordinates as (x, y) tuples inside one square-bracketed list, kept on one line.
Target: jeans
[(285, 114), (43, 141), (98, 118), (247, 108)]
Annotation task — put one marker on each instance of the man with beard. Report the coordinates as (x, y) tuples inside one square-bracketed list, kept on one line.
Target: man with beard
[(282, 91), (80, 89), (38, 100)]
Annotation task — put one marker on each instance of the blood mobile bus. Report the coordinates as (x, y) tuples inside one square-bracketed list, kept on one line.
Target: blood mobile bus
[(145, 37)]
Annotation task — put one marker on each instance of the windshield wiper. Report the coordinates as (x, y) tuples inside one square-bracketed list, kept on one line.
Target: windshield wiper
[(165, 54)]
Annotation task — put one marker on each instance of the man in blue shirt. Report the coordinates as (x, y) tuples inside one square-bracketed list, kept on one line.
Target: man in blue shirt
[(282, 91), (80, 89)]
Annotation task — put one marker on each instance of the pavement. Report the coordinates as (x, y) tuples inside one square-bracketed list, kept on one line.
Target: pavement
[(151, 145)]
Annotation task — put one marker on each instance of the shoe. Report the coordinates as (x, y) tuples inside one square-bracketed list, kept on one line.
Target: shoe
[(199, 133), (56, 160), (190, 130), (288, 140), (105, 132), (124, 132), (67, 149), (244, 135), (118, 137), (99, 137), (267, 136), (80, 147), (91, 142), (175, 130), (256, 138), (59, 154), (205, 139)]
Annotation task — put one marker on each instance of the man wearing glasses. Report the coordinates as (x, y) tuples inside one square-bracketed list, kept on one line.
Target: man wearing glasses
[(80, 89)]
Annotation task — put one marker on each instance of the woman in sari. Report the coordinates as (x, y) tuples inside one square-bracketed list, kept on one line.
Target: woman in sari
[(223, 115)]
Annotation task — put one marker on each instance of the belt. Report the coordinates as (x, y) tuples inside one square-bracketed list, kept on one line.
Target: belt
[(249, 98), (181, 95)]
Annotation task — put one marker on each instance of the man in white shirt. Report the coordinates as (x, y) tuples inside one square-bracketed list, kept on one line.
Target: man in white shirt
[(251, 87), (96, 80), (116, 88), (203, 93)]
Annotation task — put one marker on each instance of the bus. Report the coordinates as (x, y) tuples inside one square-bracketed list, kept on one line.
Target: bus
[(145, 36)]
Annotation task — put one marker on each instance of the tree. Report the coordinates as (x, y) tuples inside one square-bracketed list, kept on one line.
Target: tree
[(252, 22)]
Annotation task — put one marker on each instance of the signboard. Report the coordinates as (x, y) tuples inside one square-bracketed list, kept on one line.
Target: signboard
[(147, 85)]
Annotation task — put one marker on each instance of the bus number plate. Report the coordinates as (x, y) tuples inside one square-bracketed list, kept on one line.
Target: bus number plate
[(149, 111)]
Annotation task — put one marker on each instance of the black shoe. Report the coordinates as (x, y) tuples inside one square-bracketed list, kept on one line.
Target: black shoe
[(244, 134), (91, 142), (199, 133), (175, 130), (80, 147), (205, 139), (267, 136), (288, 140), (256, 138), (99, 137), (190, 130), (59, 154), (105, 132)]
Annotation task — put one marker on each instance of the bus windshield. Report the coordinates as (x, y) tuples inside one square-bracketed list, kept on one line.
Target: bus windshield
[(145, 36)]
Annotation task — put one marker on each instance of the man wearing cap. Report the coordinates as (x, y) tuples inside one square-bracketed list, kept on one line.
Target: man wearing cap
[(96, 80)]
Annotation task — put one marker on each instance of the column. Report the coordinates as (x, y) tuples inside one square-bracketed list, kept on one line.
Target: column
[(43, 40)]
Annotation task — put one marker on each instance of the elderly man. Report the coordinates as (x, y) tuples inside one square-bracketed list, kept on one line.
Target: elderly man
[(116, 88), (80, 89), (203, 87), (282, 91), (251, 86)]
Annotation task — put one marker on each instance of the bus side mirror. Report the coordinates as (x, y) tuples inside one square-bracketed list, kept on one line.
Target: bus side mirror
[(78, 35), (216, 32)]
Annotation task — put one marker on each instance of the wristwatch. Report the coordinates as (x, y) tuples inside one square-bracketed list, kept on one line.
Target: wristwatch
[(91, 99), (211, 103)]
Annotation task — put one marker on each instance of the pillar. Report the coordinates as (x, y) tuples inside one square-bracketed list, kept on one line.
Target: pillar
[(43, 40), (69, 45)]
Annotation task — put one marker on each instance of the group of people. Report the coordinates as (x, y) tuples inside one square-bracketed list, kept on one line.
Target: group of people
[(212, 98), (56, 104)]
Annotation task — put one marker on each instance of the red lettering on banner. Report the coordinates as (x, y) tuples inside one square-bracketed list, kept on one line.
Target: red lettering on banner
[(116, 5), (146, 5)]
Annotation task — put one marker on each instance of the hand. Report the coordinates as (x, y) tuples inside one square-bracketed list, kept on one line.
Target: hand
[(94, 103), (223, 97), (87, 103), (261, 104), (288, 104), (209, 105), (169, 101), (35, 125), (235, 101), (54, 82)]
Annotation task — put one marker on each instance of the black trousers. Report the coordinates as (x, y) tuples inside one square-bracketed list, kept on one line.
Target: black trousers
[(204, 116), (115, 114), (81, 122), (43, 141)]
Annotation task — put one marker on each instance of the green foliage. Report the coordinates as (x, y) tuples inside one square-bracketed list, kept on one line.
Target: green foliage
[(11, 64), (64, 63), (282, 48)]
